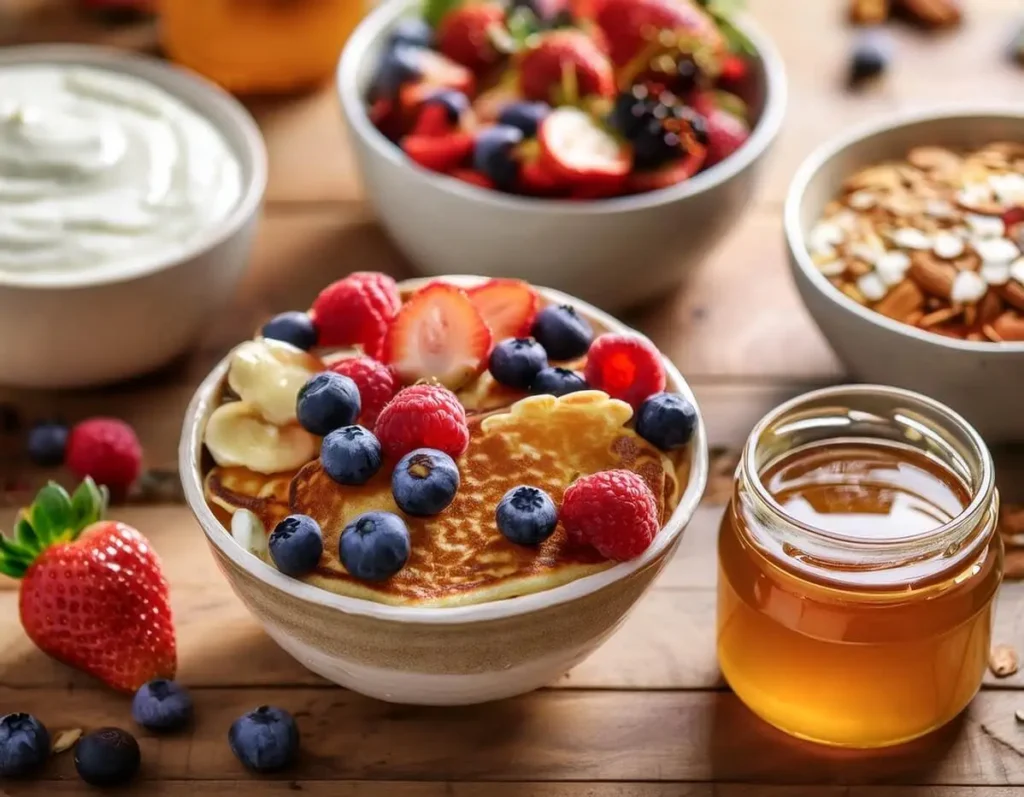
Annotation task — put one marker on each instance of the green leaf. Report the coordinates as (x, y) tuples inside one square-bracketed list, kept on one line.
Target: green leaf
[(88, 504), (436, 10), (12, 568), (13, 552), (50, 513), (26, 535)]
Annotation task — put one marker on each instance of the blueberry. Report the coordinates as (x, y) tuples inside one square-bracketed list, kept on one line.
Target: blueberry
[(515, 362), (454, 102), (374, 546), (398, 65), (525, 116), (162, 705), (424, 482), (24, 745), (351, 455), (296, 545), (494, 154), (265, 740), (666, 421), (562, 332), (46, 444), (107, 757), (558, 382), (327, 402), (412, 32), (870, 58), (292, 327), (526, 516)]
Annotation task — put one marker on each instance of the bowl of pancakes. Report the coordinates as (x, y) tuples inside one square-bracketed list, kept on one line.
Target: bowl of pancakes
[(471, 617)]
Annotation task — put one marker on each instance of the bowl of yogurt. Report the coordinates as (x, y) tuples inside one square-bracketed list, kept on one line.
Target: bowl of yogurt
[(129, 195)]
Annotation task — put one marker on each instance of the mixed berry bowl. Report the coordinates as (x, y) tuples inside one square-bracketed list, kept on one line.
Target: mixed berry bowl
[(486, 523), (502, 140)]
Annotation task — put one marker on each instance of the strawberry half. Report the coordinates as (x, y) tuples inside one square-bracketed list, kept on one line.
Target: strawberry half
[(576, 149), (508, 307), (560, 57), (670, 174), (438, 334), (439, 153), (466, 33), (535, 180), (92, 592)]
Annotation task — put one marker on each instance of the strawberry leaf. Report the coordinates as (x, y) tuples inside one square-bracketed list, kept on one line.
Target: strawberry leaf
[(50, 514), (88, 504), (436, 10), (25, 534)]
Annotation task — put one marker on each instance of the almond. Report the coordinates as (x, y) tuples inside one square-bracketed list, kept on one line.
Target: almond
[(931, 13), (902, 301), (1012, 293), (1002, 660), (939, 317), (869, 12), (1009, 326), (931, 275)]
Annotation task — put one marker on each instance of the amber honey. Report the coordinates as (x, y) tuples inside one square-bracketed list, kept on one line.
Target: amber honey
[(858, 567)]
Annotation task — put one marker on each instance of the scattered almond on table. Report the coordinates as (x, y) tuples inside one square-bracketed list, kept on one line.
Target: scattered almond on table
[(933, 241), (1002, 660), (924, 13)]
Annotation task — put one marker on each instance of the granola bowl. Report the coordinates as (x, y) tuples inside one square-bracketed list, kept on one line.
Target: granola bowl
[(936, 308)]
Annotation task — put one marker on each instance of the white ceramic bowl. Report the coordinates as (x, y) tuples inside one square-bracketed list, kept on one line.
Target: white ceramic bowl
[(85, 330), (614, 253), (438, 656), (982, 381)]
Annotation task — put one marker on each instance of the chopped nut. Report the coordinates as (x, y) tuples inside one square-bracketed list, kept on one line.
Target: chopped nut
[(989, 332), (940, 317), (65, 740), (869, 12), (1012, 293), (989, 308), (1009, 326), (1002, 660), (934, 158)]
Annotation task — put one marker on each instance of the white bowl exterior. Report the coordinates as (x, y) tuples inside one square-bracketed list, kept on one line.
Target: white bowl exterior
[(95, 332), (613, 253), (983, 382)]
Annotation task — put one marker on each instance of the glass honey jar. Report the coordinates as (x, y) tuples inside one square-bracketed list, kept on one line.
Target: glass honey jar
[(259, 46), (858, 566)]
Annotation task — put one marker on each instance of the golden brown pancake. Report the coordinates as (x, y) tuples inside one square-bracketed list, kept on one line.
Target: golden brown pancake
[(459, 556)]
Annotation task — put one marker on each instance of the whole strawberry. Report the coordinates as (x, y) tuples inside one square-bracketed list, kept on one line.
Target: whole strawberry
[(630, 26), (107, 451), (467, 33), (92, 592), (562, 62)]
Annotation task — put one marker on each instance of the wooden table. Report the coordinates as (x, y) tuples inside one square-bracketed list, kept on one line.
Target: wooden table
[(647, 715)]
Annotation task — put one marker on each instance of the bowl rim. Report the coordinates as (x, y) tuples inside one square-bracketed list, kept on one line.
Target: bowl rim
[(190, 449), (225, 113), (376, 25), (821, 156)]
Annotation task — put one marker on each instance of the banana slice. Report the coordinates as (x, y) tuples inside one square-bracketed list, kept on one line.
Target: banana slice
[(248, 531), (238, 435), (269, 374)]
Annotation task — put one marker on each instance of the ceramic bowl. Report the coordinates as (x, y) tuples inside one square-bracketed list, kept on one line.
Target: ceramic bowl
[(86, 330), (437, 656), (614, 252), (982, 381)]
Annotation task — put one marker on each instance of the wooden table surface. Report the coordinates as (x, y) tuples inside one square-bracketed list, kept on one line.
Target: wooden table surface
[(648, 714)]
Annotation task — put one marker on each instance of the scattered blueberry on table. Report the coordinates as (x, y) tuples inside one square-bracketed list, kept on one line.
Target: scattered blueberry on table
[(265, 740), (107, 757), (870, 58), (526, 515), (162, 705), (375, 546), (47, 444), (296, 545), (24, 745), (424, 482)]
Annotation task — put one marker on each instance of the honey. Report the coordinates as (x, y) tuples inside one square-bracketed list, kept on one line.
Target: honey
[(858, 567)]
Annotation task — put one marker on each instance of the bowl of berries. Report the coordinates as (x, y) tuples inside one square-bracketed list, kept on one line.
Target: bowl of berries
[(559, 141)]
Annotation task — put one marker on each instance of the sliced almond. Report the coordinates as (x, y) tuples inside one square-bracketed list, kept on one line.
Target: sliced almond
[(65, 740), (930, 158), (902, 302), (1002, 660), (938, 317), (932, 276)]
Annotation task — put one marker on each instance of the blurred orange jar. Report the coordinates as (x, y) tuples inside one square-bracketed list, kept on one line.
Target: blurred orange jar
[(858, 565), (259, 46)]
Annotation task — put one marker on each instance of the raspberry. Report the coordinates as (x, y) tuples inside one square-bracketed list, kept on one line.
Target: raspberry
[(107, 450), (356, 310), (423, 416), (377, 385), (625, 367), (614, 510)]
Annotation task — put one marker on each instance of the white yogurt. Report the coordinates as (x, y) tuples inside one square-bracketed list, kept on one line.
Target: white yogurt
[(103, 172)]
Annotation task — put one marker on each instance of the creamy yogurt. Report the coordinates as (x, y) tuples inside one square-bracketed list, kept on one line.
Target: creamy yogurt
[(103, 172)]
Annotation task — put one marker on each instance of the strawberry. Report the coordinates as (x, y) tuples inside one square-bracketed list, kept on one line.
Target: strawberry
[(726, 134), (92, 592), (562, 57), (629, 25), (466, 34), (436, 72), (438, 334), (508, 307), (670, 174), (535, 180), (439, 153), (575, 149), (473, 177)]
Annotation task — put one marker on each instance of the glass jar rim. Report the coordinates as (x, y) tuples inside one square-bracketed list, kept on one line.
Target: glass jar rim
[(980, 480)]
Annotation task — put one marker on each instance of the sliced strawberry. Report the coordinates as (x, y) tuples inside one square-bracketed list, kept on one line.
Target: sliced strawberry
[(630, 25), (677, 171), (508, 306), (466, 34), (535, 180), (473, 177), (438, 72), (726, 134), (433, 120), (439, 153), (438, 334), (576, 149), (561, 57)]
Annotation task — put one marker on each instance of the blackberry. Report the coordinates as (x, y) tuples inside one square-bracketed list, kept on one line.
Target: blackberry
[(660, 128)]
